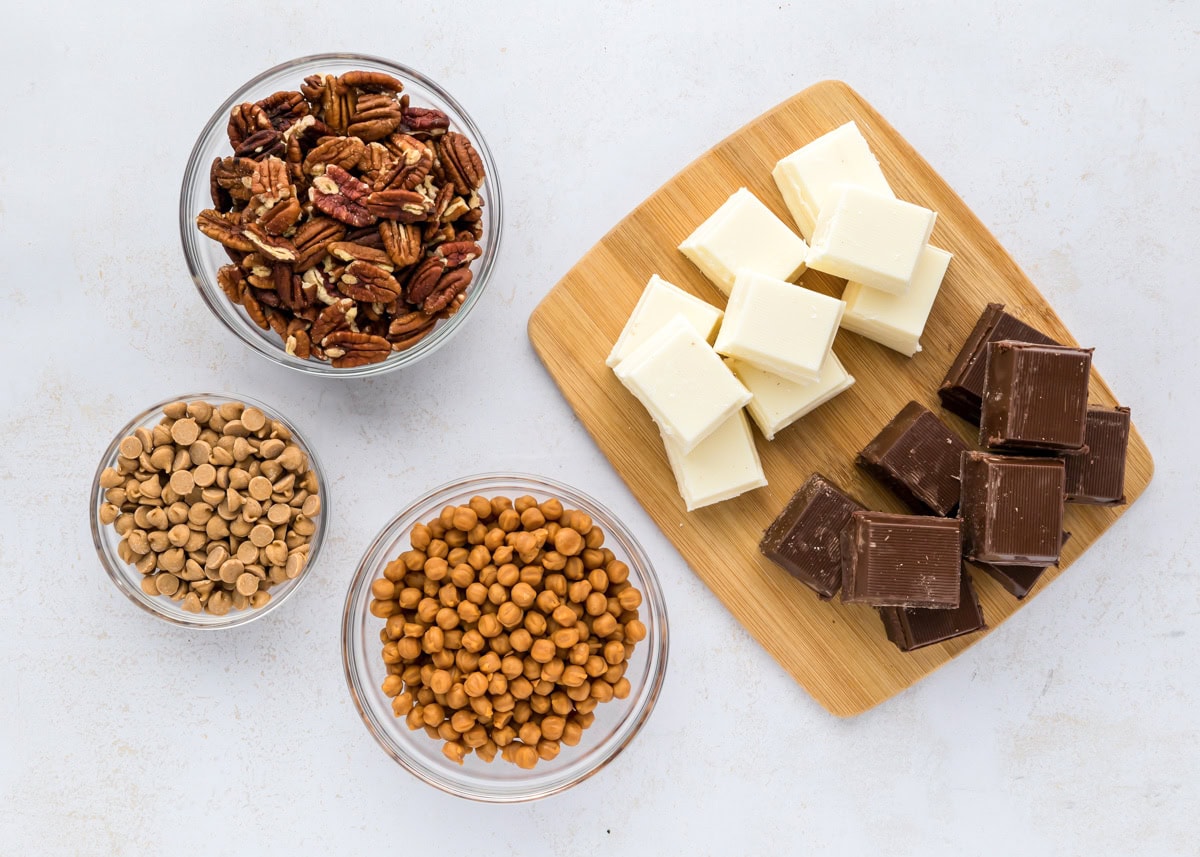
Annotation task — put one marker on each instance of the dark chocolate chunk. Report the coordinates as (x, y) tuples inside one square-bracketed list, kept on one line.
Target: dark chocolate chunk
[(805, 539), (1034, 397), (1012, 509), (1097, 476), (901, 560), (913, 627), (919, 458), (1017, 579), (962, 389)]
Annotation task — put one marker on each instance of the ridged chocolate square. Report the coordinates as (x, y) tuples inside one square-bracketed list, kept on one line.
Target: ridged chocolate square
[(1012, 509), (1017, 579), (1034, 397), (913, 627), (805, 538), (1097, 476), (961, 391), (918, 457), (901, 560)]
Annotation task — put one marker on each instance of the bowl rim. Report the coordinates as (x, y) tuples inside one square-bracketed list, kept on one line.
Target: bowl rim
[(113, 565), (658, 638), (482, 269)]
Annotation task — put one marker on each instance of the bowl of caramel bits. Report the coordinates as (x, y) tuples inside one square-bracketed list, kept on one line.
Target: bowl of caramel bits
[(504, 637)]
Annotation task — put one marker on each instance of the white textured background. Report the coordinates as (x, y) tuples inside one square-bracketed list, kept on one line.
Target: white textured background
[(1072, 730)]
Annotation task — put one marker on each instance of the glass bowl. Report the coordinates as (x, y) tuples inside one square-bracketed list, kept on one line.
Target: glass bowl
[(128, 579), (617, 721), (205, 256)]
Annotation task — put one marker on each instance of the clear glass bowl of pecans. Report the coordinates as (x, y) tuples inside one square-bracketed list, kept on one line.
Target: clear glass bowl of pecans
[(208, 510), (517, 650), (341, 215)]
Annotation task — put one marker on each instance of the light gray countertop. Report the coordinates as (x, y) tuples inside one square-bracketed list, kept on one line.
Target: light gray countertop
[(1071, 131)]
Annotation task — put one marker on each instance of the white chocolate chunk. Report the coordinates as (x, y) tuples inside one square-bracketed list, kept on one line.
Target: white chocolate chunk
[(660, 302), (682, 382), (806, 176), (870, 238), (778, 402), (780, 327), (722, 466), (896, 321), (744, 234)]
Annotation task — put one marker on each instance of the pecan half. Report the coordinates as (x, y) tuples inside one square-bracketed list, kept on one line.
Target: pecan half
[(337, 316), (402, 241), (246, 120), (283, 109), (344, 152), (462, 163), (232, 282), (342, 196), (278, 219), (425, 120), (274, 202), (375, 117), (458, 253), (261, 144), (225, 229), (403, 206), (372, 81), (229, 181), (348, 349), (273, 246), (298, 344), (337, 104), (409, 329), (424, 279), (369, 283), (255, 310), (450, 285), (413, 162), (312, 241), (289, 288), (349, 251)]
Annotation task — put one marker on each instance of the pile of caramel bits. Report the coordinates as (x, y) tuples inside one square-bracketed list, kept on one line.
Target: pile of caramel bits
[(214, 505), (351, 217), (507, 624)]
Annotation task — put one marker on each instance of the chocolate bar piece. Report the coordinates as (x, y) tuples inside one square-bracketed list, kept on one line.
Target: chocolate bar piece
[(1034, 397), (805, 539), (918, 457), (913, 627), (1017, 579), (1097, 476), (901, 560), (1012, 509), (962, 389)]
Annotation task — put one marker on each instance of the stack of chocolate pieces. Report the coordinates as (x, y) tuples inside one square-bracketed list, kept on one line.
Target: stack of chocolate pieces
[(1000, 508)]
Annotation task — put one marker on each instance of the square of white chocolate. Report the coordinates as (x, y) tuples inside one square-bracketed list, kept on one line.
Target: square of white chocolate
[(744, 234), (778, 402), (896, 321), (807, 175), (722, 466), (778, 326), (870, 238), (682, 382), (660, 302)]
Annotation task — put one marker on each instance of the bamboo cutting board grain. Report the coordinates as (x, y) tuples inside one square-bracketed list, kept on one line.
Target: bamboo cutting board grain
[(838, 652)]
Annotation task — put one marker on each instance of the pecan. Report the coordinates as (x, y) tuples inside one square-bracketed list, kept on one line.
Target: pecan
[(277, 320), (456, 209), (369, 283), (261, 144), (275, 247), (402, 241), (232, 282), (283, 109), (274, 202), (440, 205), (341, 196), (266, 295), (375, 117), (375, 161), (458, 253), (298, 344), (246, 120), (424, 279), (404, 326), (403, 206), (312, 241), (289, 288), (344, 152), (450, 285), (425, 120), (413, 161), (225, 229), (472, 222), (372, 81), (336, 316), (462, 163), (278, 219), (337, 104), (348, 349), (313, 87), (254, 309), (349, 251), (228, 181)]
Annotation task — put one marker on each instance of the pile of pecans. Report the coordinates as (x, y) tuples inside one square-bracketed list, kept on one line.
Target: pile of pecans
[(214, 505), (351, 217), (506, 625)]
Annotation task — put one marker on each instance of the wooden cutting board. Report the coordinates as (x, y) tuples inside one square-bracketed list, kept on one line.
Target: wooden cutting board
[(838, 652)]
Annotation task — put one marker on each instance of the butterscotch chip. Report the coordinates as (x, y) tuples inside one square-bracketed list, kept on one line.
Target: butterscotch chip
[(253, 419), (260, 488), (182, 482), (185, 431), (204, 475), (261, 535), (130, 447), (247, 552), (247, 584), (279, 513)]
